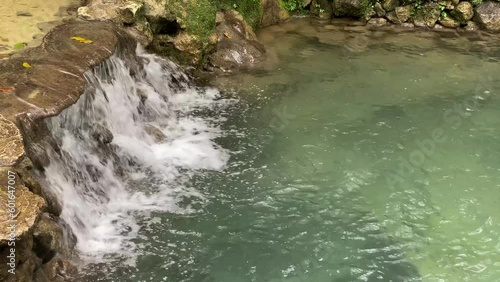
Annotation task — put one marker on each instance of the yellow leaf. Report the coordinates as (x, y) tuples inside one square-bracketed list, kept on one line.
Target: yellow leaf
[(82, 40), (227, 35), (26, 65)]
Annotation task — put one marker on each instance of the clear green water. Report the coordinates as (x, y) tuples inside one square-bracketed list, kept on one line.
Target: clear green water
[(318, 189)]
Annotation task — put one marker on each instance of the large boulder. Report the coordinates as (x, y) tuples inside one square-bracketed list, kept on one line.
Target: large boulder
[(487, 15), (237, 45), (463, 12), (273, 13)]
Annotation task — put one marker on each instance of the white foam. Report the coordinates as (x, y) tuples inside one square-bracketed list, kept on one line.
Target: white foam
[(103, 207)]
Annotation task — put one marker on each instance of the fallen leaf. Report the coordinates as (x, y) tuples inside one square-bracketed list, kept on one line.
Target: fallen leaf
[(227, 35), (26, 65), (82, 40), (6, 89)]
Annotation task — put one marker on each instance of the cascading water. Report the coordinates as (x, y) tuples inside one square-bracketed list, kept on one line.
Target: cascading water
[(106, 183)]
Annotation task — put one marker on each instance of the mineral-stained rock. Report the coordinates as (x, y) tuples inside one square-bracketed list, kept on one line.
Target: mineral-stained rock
[(237, 43), (463, 12), (11, 143), (27, 210), (487, 15)]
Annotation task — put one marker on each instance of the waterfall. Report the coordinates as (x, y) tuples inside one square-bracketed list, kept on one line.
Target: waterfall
[(128, 148)]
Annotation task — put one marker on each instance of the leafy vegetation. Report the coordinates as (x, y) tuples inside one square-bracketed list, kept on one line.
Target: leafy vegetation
[(476, 2), (251, 10), (293, 5)]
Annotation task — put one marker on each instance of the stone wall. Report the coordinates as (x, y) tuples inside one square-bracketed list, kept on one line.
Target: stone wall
[(467, 15)]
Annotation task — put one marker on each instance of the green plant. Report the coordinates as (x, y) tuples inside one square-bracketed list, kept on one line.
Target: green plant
[(251, 10), (476, 2), (444, 14), (292, 5), (321, 10)]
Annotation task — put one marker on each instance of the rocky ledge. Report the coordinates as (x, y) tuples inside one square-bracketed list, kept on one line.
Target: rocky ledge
[(466, 15), (35, 84)]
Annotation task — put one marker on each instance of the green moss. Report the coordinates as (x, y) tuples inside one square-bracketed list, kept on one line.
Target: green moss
[(476, 2), (251, 10), (197, 16), (367, 7)]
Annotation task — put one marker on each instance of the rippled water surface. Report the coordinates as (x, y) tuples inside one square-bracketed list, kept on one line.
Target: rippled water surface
[(359, 156)]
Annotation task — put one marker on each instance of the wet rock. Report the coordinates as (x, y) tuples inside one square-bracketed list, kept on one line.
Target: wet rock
[(102, 135), (427, 15), (237, 45), (47, 238), (56, 270), (487, 15), (448, 21), (155, 133), (350, 8), (274, 13), (376, 22), (25, 170), (390, 5), (463, 12), (408, 25), (379, 10), (471, 26)]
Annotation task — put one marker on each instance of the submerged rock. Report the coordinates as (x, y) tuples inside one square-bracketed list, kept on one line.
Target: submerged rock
[(237, 45), (155, 133), (487, 15), (102, 135)]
